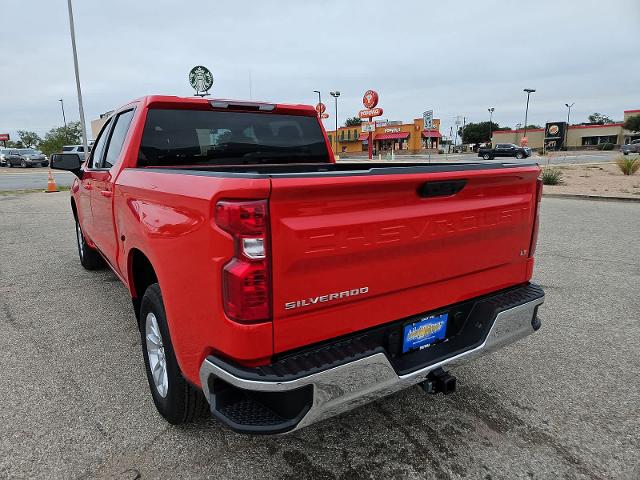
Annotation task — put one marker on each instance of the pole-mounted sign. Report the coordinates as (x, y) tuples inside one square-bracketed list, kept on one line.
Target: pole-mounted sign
[(370, 101), (201, 80), (321, 108), (428, 119)]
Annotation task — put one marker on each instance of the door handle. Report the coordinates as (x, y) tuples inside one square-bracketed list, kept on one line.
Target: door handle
[(106, 193), (87, 186)]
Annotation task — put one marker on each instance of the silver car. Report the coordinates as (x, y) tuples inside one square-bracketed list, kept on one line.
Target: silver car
[(633, 147), (25, 157)]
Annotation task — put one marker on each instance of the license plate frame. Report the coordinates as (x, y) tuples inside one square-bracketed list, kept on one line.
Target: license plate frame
[(424, 332)]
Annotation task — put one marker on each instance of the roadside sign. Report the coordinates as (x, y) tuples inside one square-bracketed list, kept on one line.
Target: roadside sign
[(4, 137), (372, 112), (321, 108), (382, 123), (370, 99), (368, 126), (201, 80), (428, 119)]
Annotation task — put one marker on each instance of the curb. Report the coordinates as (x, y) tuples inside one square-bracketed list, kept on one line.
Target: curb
[(575, 196)]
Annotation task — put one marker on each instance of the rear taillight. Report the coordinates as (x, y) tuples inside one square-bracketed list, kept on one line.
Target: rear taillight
[(536, 218), (246, 282)]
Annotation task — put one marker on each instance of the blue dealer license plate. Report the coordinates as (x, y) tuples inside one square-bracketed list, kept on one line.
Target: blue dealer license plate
[(424, 332)]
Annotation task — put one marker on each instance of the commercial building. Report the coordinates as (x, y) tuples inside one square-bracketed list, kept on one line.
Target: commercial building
[(96, 125), (577, 136), (395, 135)]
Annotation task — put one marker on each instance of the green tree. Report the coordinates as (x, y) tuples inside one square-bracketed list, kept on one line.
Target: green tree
[(29, 139), (632, 123), (57, 137), (353, 122), (15, 144), (532, 126), (599, 119), (478, 132)]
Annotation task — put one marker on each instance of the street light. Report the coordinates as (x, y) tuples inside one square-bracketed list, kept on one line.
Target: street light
[(319, 100), (490, 110), (75, 65), (526, 112), (566, 133), (335, 95), (64, 120)]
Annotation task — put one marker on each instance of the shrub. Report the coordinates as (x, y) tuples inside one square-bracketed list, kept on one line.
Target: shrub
[(605, 146), (551, 176), (628, 166)]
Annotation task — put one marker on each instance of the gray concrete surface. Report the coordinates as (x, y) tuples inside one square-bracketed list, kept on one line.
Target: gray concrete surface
[(31, 178), (35, 178), (563, 403), (559, 158)]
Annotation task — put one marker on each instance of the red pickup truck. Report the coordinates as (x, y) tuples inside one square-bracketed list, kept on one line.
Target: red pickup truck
[(278, 287)]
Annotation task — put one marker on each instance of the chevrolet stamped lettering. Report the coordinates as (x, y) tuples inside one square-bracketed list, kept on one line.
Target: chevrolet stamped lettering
[(367, 235), (307, 302)]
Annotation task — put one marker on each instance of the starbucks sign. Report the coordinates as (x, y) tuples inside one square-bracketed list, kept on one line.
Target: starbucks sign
[(201, 80)]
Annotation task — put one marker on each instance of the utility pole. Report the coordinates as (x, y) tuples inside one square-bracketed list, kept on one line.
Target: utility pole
[(85, 142), (566, 133), (335, 95), (491, 110), (64, 120), (526, 112)]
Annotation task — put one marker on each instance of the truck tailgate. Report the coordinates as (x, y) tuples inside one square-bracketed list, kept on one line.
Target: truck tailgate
[(354, 251)]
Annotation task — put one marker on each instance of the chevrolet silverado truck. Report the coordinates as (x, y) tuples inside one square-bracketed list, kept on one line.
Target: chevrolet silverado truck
[(504, 150), (278, 288)]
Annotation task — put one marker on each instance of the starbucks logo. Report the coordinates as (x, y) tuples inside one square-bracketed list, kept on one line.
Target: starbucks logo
[(201, 80)]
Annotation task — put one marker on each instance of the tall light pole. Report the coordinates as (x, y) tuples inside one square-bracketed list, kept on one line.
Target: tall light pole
[(75, 65), (566, 133), (526, 112), (490, 110), (319, 99), (64, 120), (335, 95)]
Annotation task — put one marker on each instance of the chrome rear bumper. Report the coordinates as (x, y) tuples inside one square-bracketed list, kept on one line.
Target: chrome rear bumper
[(344, 387)]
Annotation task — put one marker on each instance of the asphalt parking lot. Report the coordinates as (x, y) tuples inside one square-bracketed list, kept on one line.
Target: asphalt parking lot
[(563, 403)]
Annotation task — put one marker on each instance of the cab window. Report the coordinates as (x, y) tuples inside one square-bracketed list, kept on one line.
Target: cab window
[(118, 135), (98, 148)]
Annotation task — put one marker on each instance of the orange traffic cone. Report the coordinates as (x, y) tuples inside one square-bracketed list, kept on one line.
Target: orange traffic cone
[(51, 184)]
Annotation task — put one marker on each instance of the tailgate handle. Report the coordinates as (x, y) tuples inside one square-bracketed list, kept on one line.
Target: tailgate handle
[(441, 188)]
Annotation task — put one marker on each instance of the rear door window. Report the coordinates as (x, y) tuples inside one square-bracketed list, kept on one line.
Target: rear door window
[(118, 135), (197, 137)]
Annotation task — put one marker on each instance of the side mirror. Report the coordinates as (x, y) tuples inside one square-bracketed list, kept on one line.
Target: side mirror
[(66, 161)]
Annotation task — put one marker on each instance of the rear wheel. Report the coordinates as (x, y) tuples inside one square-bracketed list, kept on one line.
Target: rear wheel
[(8, 164), (89, 258), (519, 156), (23, 163), (486, 156), (175, 398)]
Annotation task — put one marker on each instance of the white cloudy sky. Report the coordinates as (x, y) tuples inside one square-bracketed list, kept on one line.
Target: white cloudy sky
[(457, 58)]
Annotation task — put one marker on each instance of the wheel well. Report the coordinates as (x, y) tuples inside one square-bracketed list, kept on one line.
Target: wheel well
[(142, 275)]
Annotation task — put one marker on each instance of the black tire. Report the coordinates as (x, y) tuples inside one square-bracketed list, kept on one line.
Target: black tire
[(486, 156), (8, 164), (519, 156), (23, 164), (182, 402), (625, 153), (89, 258)]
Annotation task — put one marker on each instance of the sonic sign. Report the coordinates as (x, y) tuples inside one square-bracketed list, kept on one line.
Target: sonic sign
[(370, 101)]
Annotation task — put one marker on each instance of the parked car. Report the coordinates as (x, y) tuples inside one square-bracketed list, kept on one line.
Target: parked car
[(504, 150), (633, 147), (25, 157), (4, 152), (77, 149), (284, 288)]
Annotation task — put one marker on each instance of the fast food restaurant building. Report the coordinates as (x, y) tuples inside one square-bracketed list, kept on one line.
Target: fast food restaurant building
[(388, 136), (577, 136)]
